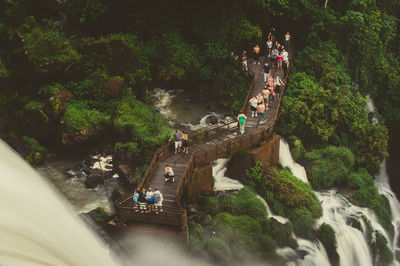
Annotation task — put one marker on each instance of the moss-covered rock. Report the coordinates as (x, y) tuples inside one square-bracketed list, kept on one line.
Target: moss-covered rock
[(327, 236)]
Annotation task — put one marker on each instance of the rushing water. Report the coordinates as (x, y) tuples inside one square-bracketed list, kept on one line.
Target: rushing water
[(37, 227), (338, 211), (222, 182), (74, 189), (286, 160)]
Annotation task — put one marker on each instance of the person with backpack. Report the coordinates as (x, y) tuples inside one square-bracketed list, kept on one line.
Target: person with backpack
[(158, 199), (242, 120)]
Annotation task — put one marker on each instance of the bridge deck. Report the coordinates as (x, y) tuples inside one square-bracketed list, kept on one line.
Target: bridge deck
[(172, 214)]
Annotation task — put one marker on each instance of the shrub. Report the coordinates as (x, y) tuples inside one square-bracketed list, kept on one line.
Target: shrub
[(219, 250), (209, 205), (37, 153), (329, 166), (77, 118), (326, 235), (281, 233), (101, 215), (380, 250)]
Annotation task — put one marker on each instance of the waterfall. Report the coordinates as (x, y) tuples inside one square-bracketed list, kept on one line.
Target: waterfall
[(286, 160), (352, 245), (382, 184), (37, 226), (221, 182)]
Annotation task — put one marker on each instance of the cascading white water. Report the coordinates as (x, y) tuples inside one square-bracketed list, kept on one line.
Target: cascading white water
[(382, 184), (286, 160), (37, 226), (337, 211), (221, 182)]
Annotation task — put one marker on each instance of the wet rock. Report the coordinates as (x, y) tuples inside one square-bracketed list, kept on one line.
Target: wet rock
[(70, 174), (397, 255), (192, 210), (302, 253), (94, 178), (354, 222), (212, 120), (126, 175)]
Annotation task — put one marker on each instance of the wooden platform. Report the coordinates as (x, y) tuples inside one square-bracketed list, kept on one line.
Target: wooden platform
[(209, 144)]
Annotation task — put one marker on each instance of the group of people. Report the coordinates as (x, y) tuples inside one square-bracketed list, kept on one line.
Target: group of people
[(181, 141), (147, 201), (279, 59)]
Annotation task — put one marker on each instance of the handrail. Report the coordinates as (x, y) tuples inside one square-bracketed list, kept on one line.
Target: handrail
[(202, 156)]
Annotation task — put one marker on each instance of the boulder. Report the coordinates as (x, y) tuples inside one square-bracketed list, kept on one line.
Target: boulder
[(57, 103), (354, 222), (113, 87), (70, 174), (126, 175), (94, 178)]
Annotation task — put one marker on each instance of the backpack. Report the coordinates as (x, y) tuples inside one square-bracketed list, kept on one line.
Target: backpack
[(241, 119)]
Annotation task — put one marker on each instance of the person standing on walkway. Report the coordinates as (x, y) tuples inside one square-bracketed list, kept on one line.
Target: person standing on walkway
[(261, 113), (150, 199), (135, 199), (278, 84), (253, 106), (158, 200), (177, 139), (271, 35), (266, 70), (169, 174), (256, 52), (265, 93), (242, 120), (279, 60), (287, 40), (185, 142), (260, 98), (269, 48), (244, 62), (274, 54), (285, 59), (142, 200)]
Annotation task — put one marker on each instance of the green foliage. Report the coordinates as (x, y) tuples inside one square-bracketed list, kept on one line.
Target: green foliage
[(297, 149), (77, 118), (209, 205), (324, 84), (131, 147), (101, 215), (50, 89), (47, 44), (86, 11), (281, 233), (219, 250), (287, 196), (3, 70), (329, 166), (334, 166), (37, 153), (33, 111), (380, 250), (141, 122), (327, 236), (244, 202)]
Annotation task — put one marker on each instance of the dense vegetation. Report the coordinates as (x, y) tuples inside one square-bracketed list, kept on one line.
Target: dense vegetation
[(238, 230), (75, 71)]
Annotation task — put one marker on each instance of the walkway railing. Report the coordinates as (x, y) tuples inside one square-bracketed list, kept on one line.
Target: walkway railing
[(202, 156)]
